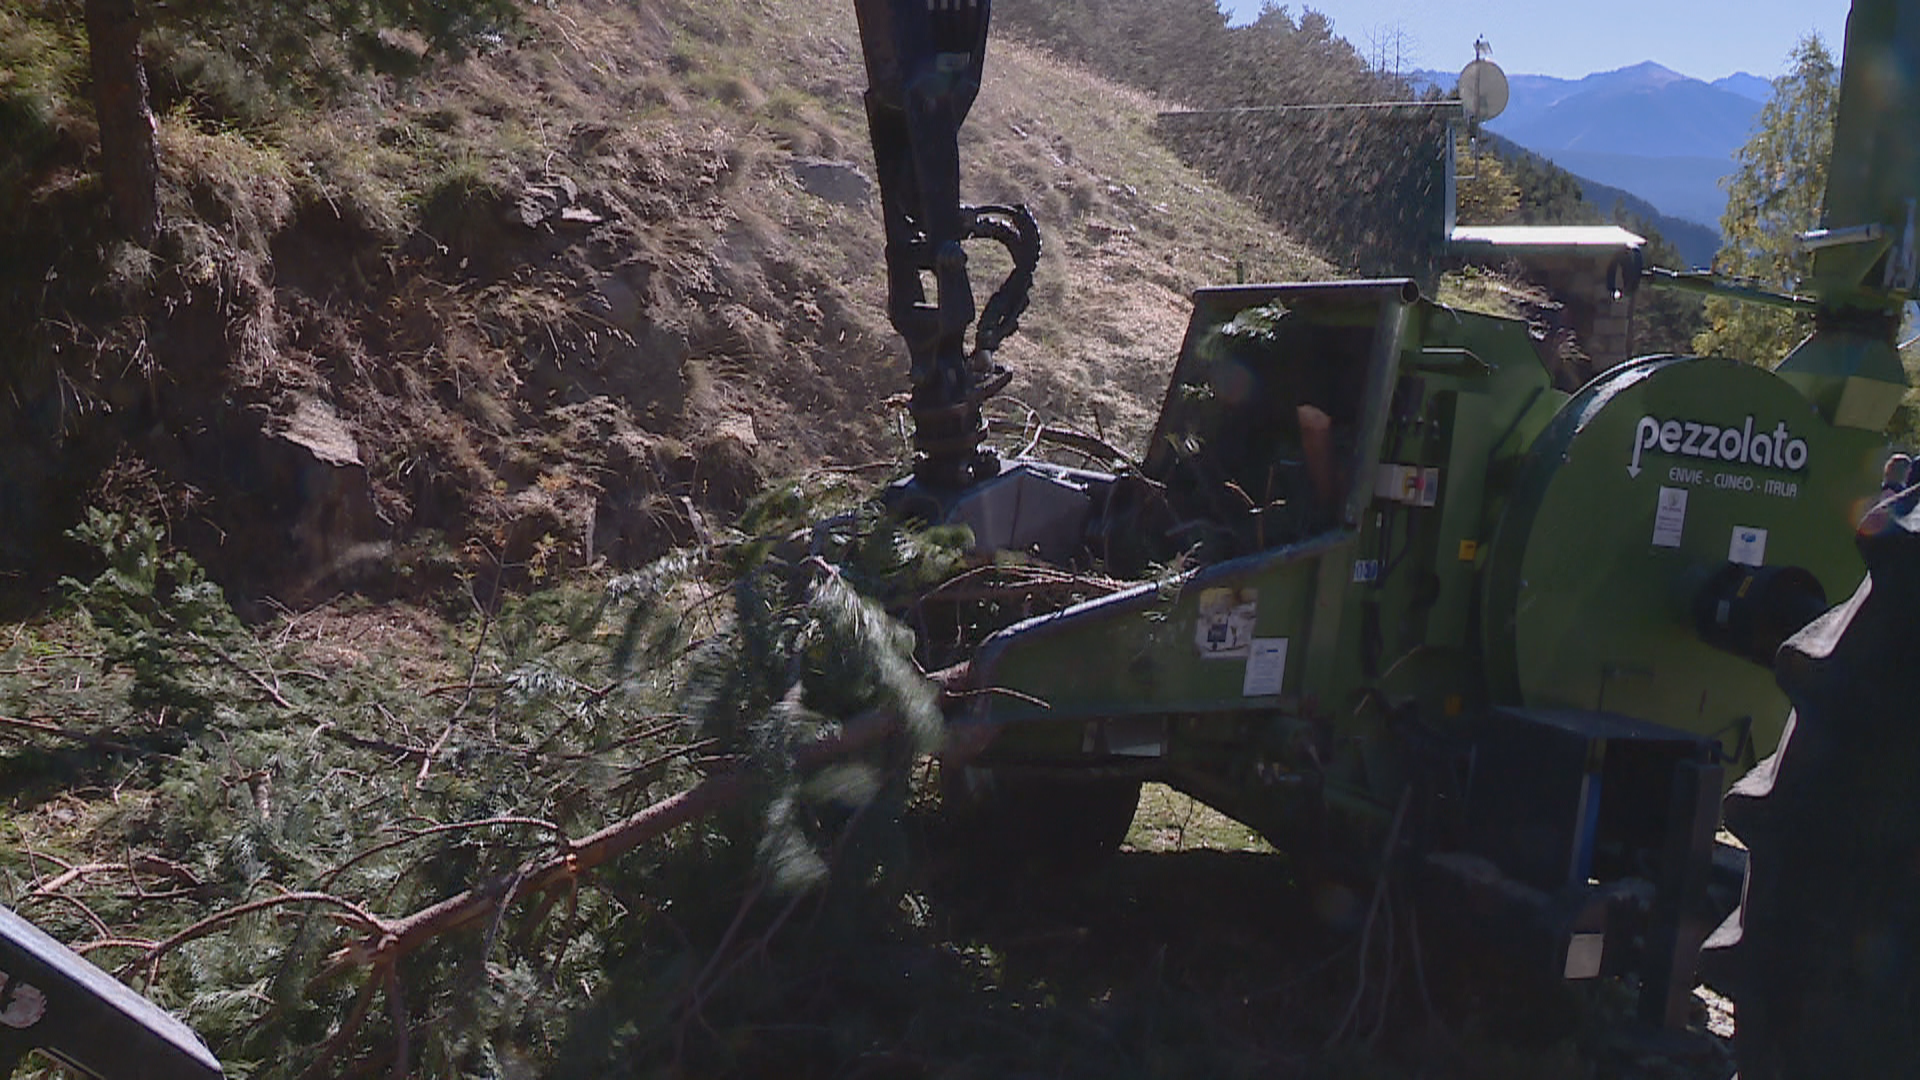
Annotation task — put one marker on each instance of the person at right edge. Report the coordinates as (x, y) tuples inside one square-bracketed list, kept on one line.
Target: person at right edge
[(1827, 938)]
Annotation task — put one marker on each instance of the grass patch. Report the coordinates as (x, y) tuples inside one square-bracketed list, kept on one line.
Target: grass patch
[(360, 182), (40, 68), (209, 84), (1169, 820), (1475, 289), (238, 185)]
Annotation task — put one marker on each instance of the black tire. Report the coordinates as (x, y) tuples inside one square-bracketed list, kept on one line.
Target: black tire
[(1007, 815)]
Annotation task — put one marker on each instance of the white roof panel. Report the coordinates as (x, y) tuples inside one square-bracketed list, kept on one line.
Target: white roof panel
[(1544, 238)]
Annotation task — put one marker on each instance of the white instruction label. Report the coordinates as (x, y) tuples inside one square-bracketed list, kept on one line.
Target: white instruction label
[(1225, 625), (1670, 518), (1266, 667), (1749, 546), (1409, 484)]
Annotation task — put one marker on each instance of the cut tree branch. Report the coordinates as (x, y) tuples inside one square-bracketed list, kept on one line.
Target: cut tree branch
[(94, 741), (435, 830), (390, 939), (364, 918)]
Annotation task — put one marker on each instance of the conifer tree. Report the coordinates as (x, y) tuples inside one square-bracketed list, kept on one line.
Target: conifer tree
[(1487, 193), (1773, 197), (266, 33)]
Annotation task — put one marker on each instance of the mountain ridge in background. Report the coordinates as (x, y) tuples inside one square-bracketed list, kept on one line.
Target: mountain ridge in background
[(1646, 129), (1645, 111), (1683, 188), (1695, 242), (1746, 85)]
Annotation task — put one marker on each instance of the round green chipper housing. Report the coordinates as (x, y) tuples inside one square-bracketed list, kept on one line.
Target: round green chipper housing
[(1634, 501)]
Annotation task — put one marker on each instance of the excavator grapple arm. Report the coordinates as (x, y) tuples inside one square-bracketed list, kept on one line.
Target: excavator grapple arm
[(924, 64)]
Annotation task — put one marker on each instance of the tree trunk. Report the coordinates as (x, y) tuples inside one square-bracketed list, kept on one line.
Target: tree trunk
[(129, 161)]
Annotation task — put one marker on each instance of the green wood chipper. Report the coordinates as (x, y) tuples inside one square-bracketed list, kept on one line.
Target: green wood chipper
[(1403, 605)]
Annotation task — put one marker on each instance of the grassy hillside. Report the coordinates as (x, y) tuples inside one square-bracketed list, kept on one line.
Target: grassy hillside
[(1362, 185), (544, 307), (418, 368), (522, 320), (1286, 113)]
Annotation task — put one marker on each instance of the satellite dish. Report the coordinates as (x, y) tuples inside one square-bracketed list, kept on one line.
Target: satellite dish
[(1483, 90)]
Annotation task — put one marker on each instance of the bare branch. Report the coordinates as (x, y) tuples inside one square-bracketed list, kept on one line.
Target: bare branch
[(391, 939), (359, 915), (113, 943), (72, 734), (436, 830), (68, 876)]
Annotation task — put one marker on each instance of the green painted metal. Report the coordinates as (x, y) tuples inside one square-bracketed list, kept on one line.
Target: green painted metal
[(1540, 573), (1560, 559), (1853, 377), (1643, 487), (1874, 176), (1408, 554), (1707, 284), (1502, 558)]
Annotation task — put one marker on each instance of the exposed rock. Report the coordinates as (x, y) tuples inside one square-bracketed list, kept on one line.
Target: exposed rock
[(622, 303), (563, 186), (839, 182), (315, 426), (725, 467), (312, 455), (545, 201)]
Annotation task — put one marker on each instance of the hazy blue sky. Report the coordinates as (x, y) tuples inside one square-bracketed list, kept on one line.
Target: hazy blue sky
[(1703, 38)]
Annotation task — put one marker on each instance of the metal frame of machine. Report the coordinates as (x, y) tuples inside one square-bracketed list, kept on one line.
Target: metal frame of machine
[(1441, 619)]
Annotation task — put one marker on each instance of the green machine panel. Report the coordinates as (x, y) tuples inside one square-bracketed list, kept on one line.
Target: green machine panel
[(1650, 482)]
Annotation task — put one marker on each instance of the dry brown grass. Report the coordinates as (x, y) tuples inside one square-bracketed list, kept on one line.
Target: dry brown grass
[(716, 322), (1131, 233)]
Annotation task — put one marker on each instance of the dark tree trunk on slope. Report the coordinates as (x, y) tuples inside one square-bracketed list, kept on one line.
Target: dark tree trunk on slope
[(129, 162)]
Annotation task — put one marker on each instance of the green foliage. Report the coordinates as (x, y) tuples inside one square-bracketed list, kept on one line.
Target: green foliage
[(1773, 196), (1259, 326), (158, 615), (883, 556), (809, 647), (1664, 321), (292, 770), (291, 779), (1485, 194), (204, 80), (1549, 195), (41, 64)]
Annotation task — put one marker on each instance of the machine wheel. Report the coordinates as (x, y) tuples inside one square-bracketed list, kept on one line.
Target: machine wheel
[(1008, 815)]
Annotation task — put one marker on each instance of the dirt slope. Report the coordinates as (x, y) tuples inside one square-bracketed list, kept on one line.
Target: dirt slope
[(561, 303)]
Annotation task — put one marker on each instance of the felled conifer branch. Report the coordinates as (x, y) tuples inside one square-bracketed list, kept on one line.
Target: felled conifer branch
[(389, 939)]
